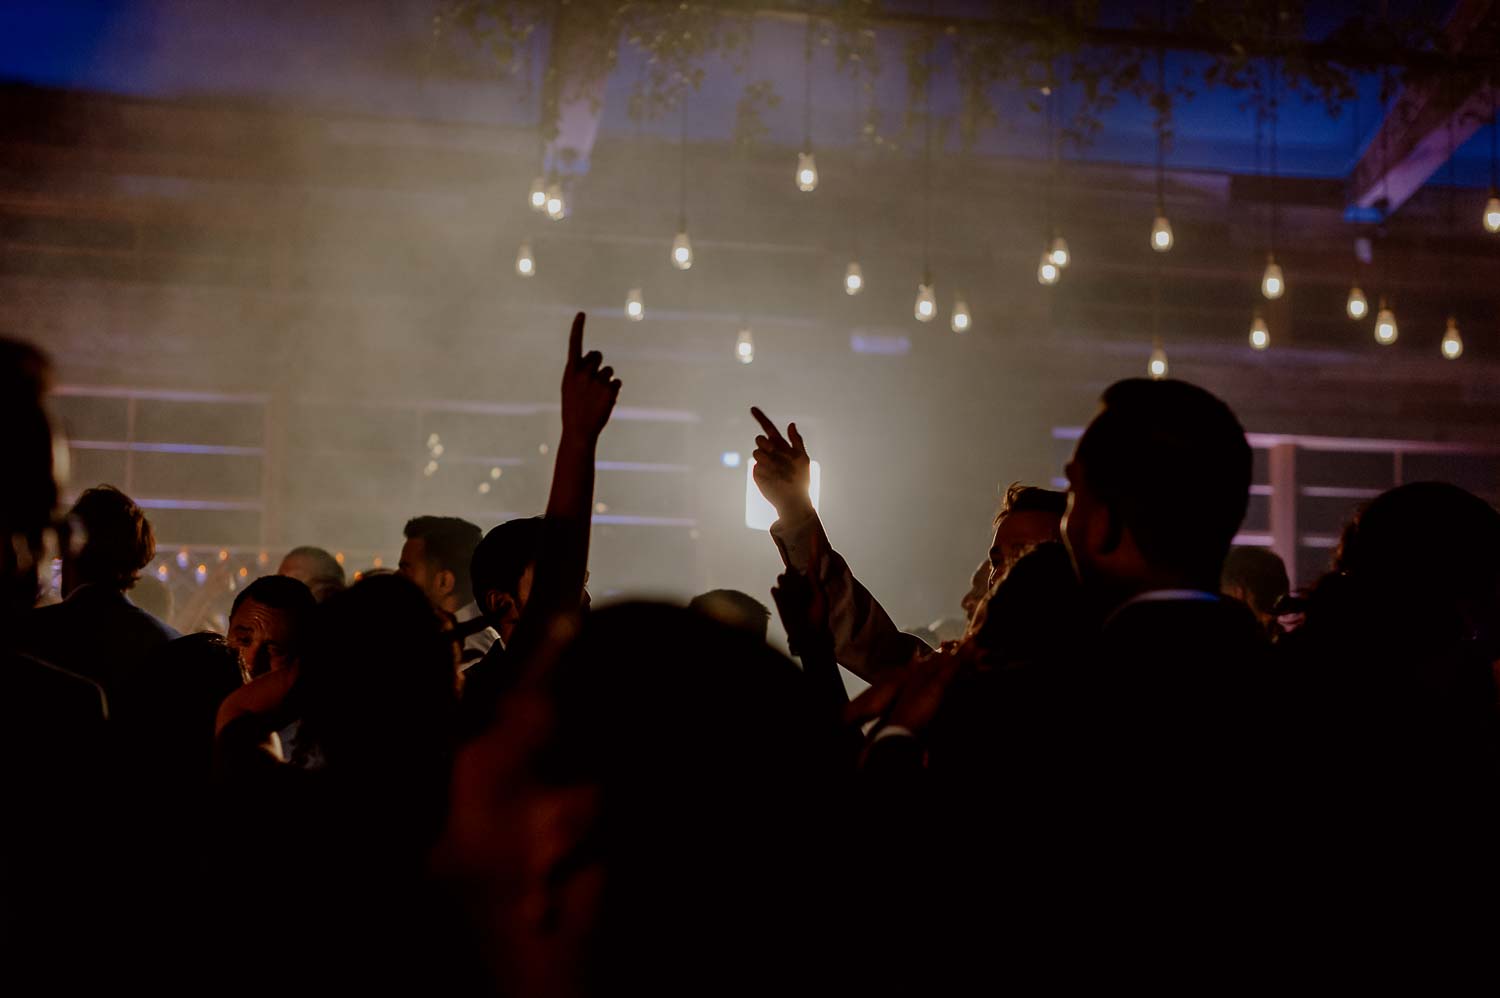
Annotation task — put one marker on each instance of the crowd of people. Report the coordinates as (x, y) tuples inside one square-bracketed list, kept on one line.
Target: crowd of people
[(1138, 762)]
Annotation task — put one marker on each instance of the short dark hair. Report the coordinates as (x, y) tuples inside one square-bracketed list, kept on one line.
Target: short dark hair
[(1032, 499), (118, 539), (449, 542), (279, 592), (1170, 461), (503, 556), (732, 607), (1259, 572), (328, 568)]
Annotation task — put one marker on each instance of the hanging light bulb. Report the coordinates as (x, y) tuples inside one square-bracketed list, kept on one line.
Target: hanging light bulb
[(1272, 284), (1157, 366), (1059, 252), (961, 318), (1492, 213), (744, 347), (682, 251), (538, 196), (1048, 272), (635, 308), (1357, 307), (1161, 234), (1385, 325), (1260, 333), (926, 306), (854, 279), (557, 207), (807, 172), (525, 262), (1453, 344)]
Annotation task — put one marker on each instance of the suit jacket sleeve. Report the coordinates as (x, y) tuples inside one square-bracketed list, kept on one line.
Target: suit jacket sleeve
[(865, 639)]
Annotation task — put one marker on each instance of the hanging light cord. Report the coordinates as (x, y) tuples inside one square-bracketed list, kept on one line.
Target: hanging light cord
[(1161, 131), (927, 167), (1452, 205), (1490, 86), (1385, 176), (1275, 119), (807, 50), (682, 154)]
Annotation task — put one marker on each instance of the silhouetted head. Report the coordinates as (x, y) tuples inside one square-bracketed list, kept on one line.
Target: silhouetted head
[(1031, 616), (502, 570), (436, 557), (734, 609), (29, 495), (1158, 487), (316, 569), (268, 624), (1256, 577), (118, 541)]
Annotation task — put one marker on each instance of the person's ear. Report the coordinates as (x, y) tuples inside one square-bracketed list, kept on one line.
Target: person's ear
[(445, 582)]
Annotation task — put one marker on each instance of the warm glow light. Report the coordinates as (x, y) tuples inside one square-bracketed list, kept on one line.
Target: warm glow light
[(1161, 234), (525, 264), (1357, 307), (1260, 334), (635, 308), (484, 488), (682, 251), (926, 306), (538, 196), (1385, 326), (807, 172), (1272, 284), (161, 572), (430, 469), (557, 207), (1453, 344), (854, 279), (1047, 272), (1059, 252), (961, 318), (495, 473), (744, 347), (1492, 214), (1157, 367), (182, 558)]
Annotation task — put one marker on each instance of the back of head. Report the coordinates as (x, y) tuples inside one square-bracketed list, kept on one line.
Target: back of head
[(502, 557), (316, 569), (1423, 545), (118, 543), (1032, 614), (1171, 463), (1257, 573), (734, 609), (710, 829), (29, 497), (449, 543)]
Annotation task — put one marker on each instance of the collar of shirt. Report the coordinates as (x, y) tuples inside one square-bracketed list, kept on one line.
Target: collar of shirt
[(1165, 596), (466, 613)]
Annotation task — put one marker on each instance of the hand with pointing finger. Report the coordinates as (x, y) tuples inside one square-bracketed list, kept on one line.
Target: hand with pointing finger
[(782, 468), (589, 390)]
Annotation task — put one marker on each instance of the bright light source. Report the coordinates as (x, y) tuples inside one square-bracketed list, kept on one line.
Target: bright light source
[(1260, 334), (730, 459), (1357, 307), (635, 308), (538, 196), (1157, 367), (1161, 234), (496, 473), (1492, 214), (484, 488), (525, 262), (854, 279), (557, 206), (1059, 252), (807, 172), (1272, 284), (1453, 344), (1046, 271), (961, 318), (682, 251), (926, 306), (760, 514), (744, 347), (1386, 330)]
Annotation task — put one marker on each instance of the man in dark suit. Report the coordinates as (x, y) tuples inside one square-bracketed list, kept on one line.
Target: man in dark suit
[(96, 631)]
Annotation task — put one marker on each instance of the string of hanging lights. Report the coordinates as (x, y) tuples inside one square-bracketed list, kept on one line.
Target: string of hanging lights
[(925, 307), (807, 164)]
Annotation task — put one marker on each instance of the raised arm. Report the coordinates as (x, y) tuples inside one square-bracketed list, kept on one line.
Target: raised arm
[(866, 640)]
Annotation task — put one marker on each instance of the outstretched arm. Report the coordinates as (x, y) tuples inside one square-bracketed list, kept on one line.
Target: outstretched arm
[(866, 640)]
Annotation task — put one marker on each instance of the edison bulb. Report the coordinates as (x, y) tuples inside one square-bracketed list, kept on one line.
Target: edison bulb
[(854, 279), (1157, 367), (557, 206), (807, 172), (1453, 344), (1260, 334), (1059, 252), (635, 308), (744, 347), (1161, 234), (1385, 326), (1272, 284), (1048, 272), (1357, 307), (1492, 214), (525, 262), (926, 306), (961, 318), (538, 196), (682, 251)]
